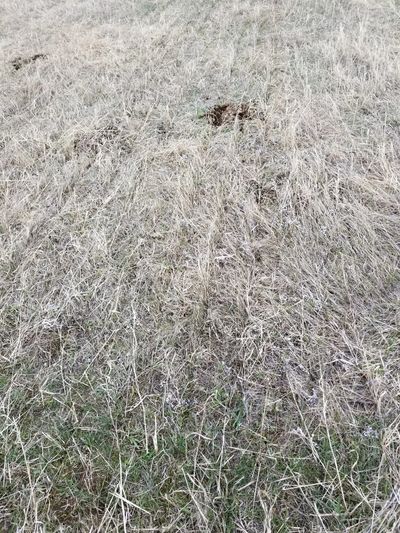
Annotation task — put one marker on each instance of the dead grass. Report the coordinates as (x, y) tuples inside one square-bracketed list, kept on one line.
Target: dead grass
[(199, 326)]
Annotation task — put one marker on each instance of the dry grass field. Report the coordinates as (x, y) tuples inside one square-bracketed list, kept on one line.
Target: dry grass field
[(199, 252)]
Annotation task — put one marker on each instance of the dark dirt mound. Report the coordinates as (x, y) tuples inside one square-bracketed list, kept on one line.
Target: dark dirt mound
[(224, 113), (20, 62)]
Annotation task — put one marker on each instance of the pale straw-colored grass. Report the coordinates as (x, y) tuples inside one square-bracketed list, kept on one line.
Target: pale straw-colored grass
[(199, 325)]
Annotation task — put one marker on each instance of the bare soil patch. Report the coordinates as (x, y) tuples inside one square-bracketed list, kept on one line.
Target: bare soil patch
[(221, 114), (20, 62)]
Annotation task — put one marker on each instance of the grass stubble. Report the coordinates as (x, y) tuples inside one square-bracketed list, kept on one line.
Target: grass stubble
[(199, 322)]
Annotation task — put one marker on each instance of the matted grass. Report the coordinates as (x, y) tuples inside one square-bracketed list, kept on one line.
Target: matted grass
[(199, 251)]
